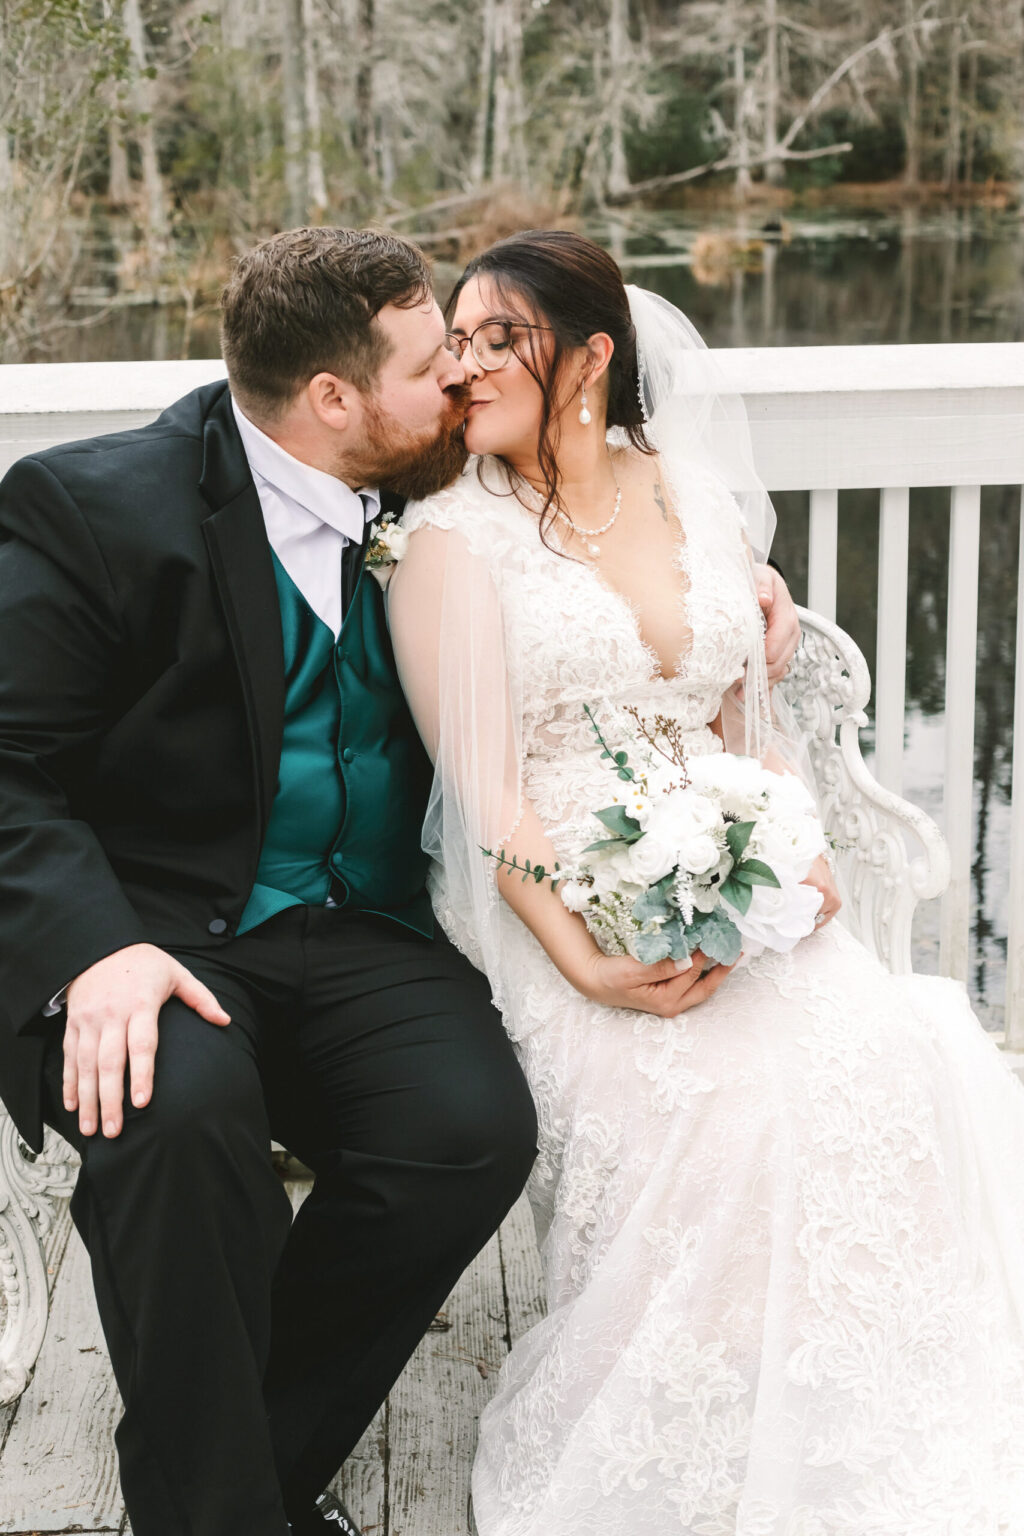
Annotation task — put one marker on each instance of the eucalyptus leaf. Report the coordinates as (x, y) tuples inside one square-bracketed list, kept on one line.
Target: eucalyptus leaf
[(738, 896), (738, 836), (753, 872), (765, 873), (617, 820)]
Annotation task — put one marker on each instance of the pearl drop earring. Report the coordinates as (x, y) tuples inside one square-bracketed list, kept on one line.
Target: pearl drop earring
[(585, 417)]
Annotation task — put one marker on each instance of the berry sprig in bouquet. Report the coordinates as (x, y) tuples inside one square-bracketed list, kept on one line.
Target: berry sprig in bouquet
[(701, 852)]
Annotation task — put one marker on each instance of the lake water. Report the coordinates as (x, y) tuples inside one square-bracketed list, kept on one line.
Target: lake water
[(843, 277)]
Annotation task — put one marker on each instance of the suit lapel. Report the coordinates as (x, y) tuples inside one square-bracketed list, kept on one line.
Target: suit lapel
[(244, 572)]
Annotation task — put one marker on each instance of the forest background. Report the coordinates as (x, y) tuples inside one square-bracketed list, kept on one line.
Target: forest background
[(198, 126)]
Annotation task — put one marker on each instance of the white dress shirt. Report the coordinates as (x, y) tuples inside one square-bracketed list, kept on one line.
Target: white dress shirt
[(309, 516)]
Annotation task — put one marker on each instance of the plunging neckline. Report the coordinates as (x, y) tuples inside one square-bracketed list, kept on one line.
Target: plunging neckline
[(681, 565)]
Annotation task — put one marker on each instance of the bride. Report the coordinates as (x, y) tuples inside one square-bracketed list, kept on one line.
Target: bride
[(780, 1206)]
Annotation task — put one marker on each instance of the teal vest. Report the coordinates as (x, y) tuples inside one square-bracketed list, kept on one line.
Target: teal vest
[(353, 780)]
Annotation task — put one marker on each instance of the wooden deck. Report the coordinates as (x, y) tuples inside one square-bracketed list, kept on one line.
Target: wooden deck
[(409, 1476)]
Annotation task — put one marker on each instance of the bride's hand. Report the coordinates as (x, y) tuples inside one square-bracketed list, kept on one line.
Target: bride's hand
[(820, 876), (618, 981)]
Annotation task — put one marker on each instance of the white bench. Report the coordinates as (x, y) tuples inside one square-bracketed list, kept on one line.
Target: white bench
[(890, 855)]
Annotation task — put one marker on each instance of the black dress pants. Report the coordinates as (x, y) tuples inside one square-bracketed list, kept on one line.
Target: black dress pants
[(252, 1351)]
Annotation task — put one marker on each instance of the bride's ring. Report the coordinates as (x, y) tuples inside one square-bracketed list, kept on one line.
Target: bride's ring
[(822, 917)]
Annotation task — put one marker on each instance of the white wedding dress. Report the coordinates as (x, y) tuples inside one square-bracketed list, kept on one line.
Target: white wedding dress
[(783, 1233)]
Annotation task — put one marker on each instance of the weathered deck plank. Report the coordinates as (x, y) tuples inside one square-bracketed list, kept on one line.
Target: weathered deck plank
[(54, 1245), (362, 1482), (59, 1469), (409, 1476), (435, 1406), (520, 1264)]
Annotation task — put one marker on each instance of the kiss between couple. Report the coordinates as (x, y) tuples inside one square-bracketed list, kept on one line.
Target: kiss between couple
[(779, 1204)]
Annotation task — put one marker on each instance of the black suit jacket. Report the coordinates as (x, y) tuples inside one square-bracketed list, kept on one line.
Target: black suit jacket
[(141, 707)]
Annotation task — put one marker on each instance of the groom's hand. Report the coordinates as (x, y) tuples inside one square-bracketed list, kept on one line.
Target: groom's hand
[(113, 1009), (782, 635)]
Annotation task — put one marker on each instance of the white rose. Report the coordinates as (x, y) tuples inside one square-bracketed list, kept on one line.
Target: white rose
[(727, 774), (777, 919), (794, 841), (651, 857), (683, 814), (786, 789), (574, 896), (613, 871), (699, 853)]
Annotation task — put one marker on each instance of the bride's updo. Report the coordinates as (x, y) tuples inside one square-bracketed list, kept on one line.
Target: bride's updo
[(562, 280)]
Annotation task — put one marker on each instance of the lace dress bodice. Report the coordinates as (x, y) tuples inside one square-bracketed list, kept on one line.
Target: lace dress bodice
[(573, 640)]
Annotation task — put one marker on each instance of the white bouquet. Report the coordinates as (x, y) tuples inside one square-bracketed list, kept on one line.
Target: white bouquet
[(702, 852)]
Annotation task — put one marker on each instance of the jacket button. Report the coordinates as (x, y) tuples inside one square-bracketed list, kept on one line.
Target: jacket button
[(347, 755), (218, 925)]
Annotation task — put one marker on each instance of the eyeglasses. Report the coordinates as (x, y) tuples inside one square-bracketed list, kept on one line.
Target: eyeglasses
[(490, 343)]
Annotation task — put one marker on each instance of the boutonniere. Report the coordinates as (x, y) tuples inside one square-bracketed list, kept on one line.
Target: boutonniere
[(387, 545)]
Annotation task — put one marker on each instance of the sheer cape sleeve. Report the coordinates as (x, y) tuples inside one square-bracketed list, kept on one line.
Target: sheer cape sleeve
[(465, 693)]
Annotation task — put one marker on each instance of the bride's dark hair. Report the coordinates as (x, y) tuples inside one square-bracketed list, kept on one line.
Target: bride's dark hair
[(564, 281)]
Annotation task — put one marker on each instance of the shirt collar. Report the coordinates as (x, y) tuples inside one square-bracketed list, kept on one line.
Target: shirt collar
[(323, 495)]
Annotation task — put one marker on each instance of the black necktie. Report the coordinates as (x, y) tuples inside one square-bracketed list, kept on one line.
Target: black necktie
[(351, 564)]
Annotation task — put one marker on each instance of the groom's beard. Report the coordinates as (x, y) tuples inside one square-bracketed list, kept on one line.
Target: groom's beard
[(412, 464)]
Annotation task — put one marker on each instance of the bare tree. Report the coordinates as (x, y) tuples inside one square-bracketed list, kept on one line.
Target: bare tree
[(951, 168), (144, 133), (365, 135), (485, 97), (619, 74), (741, 139), (911, 114), (509, 144), (316, 186), (292, 116), (774, 170)]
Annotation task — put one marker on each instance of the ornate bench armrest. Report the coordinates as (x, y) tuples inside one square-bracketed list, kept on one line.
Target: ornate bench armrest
[(890, 855), (27, 1187)]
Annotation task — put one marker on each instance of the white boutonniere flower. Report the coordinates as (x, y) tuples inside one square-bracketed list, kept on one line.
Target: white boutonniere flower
[(387, 545)]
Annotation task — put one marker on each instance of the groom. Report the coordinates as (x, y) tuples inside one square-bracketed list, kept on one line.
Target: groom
[(211, 796), (210, 804)]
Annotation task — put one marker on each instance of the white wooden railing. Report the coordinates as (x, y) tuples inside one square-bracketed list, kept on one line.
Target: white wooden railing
[(823, 419)]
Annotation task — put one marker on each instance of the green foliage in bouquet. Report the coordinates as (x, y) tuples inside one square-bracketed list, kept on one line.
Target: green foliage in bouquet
[(664, 934), (661, 930)]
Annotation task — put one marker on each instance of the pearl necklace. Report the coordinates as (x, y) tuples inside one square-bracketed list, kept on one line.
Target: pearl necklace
[(594, 533)]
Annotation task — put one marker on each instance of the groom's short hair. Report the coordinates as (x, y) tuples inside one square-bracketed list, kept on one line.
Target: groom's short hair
[(305, 302)]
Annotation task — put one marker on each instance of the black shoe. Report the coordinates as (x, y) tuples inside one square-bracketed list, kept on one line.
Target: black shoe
[(329, 1518)]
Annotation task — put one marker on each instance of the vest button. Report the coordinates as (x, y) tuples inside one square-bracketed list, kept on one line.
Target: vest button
[(347, 755), (218, 925)]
